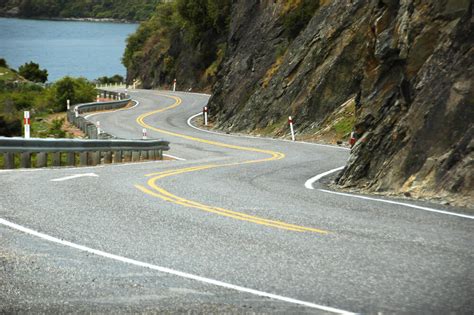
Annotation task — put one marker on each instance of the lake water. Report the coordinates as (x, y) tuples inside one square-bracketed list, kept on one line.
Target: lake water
[(86, 49)]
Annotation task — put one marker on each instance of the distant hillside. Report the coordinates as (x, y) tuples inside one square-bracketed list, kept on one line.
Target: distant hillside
[(127, 10)]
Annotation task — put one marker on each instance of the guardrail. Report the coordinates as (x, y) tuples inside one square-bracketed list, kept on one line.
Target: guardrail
[(71, 152), (90, 129), (78, 152)]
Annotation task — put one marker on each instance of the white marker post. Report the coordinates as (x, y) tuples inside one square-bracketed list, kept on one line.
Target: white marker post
[(98, 128), (205, 111), (174, 85), (76, 112), (144, 134), (26, 122), (290, 121), (68, 104)]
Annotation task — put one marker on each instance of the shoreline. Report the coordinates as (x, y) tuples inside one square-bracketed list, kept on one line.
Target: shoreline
[(71, 19)]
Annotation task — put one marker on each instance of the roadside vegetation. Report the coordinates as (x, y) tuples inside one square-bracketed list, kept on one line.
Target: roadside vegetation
[(136, 10), (199, 25), (18, 94)]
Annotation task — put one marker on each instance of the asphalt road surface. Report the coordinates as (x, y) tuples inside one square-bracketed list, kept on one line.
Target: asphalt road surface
[(228, 228)]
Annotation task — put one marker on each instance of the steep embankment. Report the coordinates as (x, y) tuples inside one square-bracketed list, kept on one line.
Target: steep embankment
[(404, 67)]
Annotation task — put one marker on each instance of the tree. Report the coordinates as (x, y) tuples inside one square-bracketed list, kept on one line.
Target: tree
[(32, 72), (76, 90)]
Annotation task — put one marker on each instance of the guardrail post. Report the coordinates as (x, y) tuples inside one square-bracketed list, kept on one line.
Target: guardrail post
[(152, 155), (57, 159), (95, 158), (144, 155), (8, 161), (71, 159), (41, 159), (25, 161), (160, 154), (83, 159), (135, 156), (108, 157), (118, 157), (127, 156)]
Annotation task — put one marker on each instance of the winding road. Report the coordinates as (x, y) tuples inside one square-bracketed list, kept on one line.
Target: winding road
[(229, 227)]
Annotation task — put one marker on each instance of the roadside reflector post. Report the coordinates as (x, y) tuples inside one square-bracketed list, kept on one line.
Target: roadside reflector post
[(68, 102), (76, 112), (205, 112), (290, 121), (26, 122), (144, 136), (174, 85)]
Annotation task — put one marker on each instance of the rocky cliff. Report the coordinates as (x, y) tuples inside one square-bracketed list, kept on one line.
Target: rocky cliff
[(399, 71)]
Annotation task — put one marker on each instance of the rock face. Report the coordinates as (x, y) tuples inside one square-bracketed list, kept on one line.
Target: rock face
[(408, 64)]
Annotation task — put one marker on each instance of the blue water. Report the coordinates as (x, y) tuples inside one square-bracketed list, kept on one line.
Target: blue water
[(86, 49)]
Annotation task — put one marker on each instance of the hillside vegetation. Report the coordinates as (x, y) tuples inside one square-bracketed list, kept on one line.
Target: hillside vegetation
[(183, 38), (18, 94), (137, 10)]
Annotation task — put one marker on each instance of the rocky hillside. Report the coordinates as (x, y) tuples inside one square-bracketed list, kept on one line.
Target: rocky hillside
[(403, 67)]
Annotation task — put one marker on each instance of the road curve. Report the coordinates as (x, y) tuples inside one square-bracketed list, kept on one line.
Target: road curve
[(231, 228)]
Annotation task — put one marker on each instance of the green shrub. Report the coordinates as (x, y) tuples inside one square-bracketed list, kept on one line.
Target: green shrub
[(32, 72), (77, 90), (297, 16)]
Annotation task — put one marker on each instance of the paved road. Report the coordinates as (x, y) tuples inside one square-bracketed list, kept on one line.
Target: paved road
[(236, 211)]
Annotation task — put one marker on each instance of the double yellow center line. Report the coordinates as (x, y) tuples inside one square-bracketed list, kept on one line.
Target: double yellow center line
[(157, 191)]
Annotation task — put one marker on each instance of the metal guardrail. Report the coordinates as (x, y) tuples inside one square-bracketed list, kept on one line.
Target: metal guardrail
[(72, 152), (90, 129)]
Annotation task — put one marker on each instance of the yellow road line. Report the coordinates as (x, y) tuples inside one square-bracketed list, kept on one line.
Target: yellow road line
[(163, 194)]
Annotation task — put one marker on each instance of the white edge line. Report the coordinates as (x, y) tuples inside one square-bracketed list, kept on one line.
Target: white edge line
[(260, 138), (174, 157), (73, 177), (309, 183), (170, 271), (399, 203)]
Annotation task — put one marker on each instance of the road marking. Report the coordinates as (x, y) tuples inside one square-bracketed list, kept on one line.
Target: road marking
[(309, 183), (167, 196), (74, 176), (169, 270), (159, 192), (259, 138), (399, 203), (174, 157)]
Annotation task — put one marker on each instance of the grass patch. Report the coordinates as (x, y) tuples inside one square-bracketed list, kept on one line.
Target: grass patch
[(344, 125), (272, 71), (7, 75)]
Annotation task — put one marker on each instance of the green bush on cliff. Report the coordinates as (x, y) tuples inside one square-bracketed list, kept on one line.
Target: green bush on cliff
[(296, 16)]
